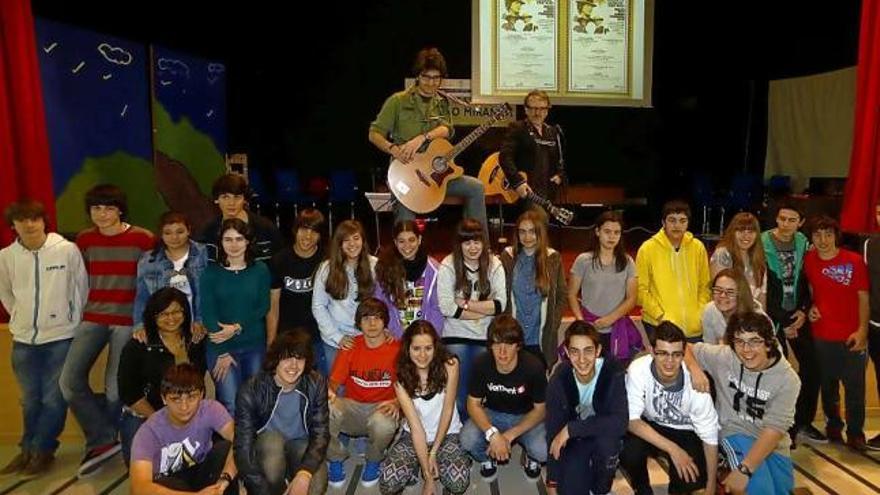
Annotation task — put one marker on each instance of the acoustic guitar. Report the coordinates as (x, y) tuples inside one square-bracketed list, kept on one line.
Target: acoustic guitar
[(496, 183), (421, 184)]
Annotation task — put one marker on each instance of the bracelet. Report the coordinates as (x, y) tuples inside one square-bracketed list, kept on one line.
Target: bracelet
[(226, 477), (432, 453), (303, 471), (492, 431), (466, 306)]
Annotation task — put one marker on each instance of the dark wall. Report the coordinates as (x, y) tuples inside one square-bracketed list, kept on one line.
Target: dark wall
[(305, 100)]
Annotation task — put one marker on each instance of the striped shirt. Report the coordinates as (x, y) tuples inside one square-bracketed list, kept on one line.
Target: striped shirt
[(112, 265)]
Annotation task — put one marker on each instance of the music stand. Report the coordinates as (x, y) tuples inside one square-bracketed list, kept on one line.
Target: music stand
[(380, 202)]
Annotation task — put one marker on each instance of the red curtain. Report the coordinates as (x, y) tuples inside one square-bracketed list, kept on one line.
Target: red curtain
[(863, 185), (24, 145)]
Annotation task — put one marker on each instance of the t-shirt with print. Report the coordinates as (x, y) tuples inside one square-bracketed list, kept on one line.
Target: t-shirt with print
[(171, 448), (413, 294), (603, 288), (179, 280), (786, 253), (368, 374), (512, 393), (294, 276), (836, 284)]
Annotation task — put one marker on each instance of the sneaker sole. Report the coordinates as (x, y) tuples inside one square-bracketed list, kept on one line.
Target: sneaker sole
[(336, 484), (812, 441), (92, 466), (489, 479), (368, 484)]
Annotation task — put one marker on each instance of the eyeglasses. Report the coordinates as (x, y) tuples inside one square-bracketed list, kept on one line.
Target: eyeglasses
[(751, 343), (426, 77), (722, 292), (663, 355), (537, 109), (170, 314)]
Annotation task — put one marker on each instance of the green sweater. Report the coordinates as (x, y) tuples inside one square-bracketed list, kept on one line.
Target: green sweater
[(242, 297)]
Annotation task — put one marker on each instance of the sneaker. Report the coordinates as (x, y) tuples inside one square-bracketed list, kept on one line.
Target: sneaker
[(532, 469), (336, 474), (488, 470), (95, 458), (834, 434), (856, 442), (39, 464), (17, 463), (370, 476), (811, 434), (874, 443)]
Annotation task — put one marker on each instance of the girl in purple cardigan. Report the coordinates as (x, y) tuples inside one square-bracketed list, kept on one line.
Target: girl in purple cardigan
[(407, 280)]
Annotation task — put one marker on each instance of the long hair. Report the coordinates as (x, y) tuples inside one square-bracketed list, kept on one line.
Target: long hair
[(470, 229), (745, 221), (158, 302), (408, 375), (169, 218), (593, 246), (745, 302), (542, 266), (390, 272), (337, 280), (242, 228), (296, 344)]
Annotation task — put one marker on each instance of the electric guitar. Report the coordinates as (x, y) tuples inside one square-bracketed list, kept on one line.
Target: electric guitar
[(493, 179), (421, 184)]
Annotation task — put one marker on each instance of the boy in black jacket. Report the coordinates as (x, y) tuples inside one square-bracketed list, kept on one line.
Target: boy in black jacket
[(586, 416), (282, 422)]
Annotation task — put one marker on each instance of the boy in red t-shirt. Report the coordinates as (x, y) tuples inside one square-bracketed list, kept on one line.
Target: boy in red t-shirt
[(839, 316), (368, 369)]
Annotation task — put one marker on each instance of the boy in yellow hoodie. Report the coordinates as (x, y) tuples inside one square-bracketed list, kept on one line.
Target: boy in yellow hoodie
[(673, 274)]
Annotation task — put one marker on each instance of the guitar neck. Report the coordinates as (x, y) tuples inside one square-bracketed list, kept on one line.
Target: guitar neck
[(476, 133), (541, 201)]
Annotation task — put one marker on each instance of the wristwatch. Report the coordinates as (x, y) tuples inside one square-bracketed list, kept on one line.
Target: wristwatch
[(742, 468), (490, 432), (226, 477)]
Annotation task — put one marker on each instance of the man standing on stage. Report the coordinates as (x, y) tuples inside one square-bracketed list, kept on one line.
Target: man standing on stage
[(534, 147), (410, 119)]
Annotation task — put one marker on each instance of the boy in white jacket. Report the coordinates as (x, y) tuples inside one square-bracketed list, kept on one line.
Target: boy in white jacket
[(668, 417), (43, 286)]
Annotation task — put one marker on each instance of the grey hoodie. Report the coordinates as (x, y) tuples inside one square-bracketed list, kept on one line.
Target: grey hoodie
[(749, 401), (44, 291)]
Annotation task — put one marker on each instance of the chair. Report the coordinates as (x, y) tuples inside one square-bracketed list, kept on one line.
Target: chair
[(343, 189), (260, 195), (289, 191)]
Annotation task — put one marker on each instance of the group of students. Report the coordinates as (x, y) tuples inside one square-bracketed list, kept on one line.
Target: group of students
[(311, 353)]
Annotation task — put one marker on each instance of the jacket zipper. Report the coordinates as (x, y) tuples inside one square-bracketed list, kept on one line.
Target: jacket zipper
[(36, 295)]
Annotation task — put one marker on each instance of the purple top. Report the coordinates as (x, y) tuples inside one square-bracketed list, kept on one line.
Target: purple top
[(430, 304), (171, 448)]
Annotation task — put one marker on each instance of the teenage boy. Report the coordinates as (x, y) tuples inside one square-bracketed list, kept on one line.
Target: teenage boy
[(872, 259), (111, 250), (293, 272), (231, 194), (839, 317), (43, 285), (505, 403), (368, 370), (756, 390), (788, 299), (173, 451), (673, 271), (586, 416), (668, 417), (281, 423)]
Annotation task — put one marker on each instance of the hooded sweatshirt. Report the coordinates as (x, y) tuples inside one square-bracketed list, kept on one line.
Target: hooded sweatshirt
[(749, 401), (44, 291), (673, 284)]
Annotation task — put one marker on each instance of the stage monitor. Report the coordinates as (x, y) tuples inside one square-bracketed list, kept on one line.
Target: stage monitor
[(581, 52)]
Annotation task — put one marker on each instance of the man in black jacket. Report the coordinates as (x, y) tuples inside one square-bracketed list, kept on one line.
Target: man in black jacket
[(587, 416), (282, 422)]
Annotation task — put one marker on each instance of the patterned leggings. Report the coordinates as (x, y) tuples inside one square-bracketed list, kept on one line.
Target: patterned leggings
[(401, 465)]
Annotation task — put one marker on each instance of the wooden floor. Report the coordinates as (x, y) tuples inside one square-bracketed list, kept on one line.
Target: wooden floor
[(827, 469)]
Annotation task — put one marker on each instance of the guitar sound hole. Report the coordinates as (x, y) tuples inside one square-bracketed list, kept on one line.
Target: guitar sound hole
[(439, 164)]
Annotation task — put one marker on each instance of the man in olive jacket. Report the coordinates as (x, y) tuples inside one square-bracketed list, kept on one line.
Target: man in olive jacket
[(282, 422)]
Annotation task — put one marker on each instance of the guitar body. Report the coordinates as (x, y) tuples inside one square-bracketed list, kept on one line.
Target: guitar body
[(494, 180), (421, 184)]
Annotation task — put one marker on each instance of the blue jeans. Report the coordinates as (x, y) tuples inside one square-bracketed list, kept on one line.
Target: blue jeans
[(97, 414), (473, 439), (329, 355), (466, 354), (38, 370), (248, 363), (774, 475), (128, 426), (466, 187)]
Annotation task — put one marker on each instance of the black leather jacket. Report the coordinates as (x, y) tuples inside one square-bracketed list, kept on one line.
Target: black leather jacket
[(253, 408)]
